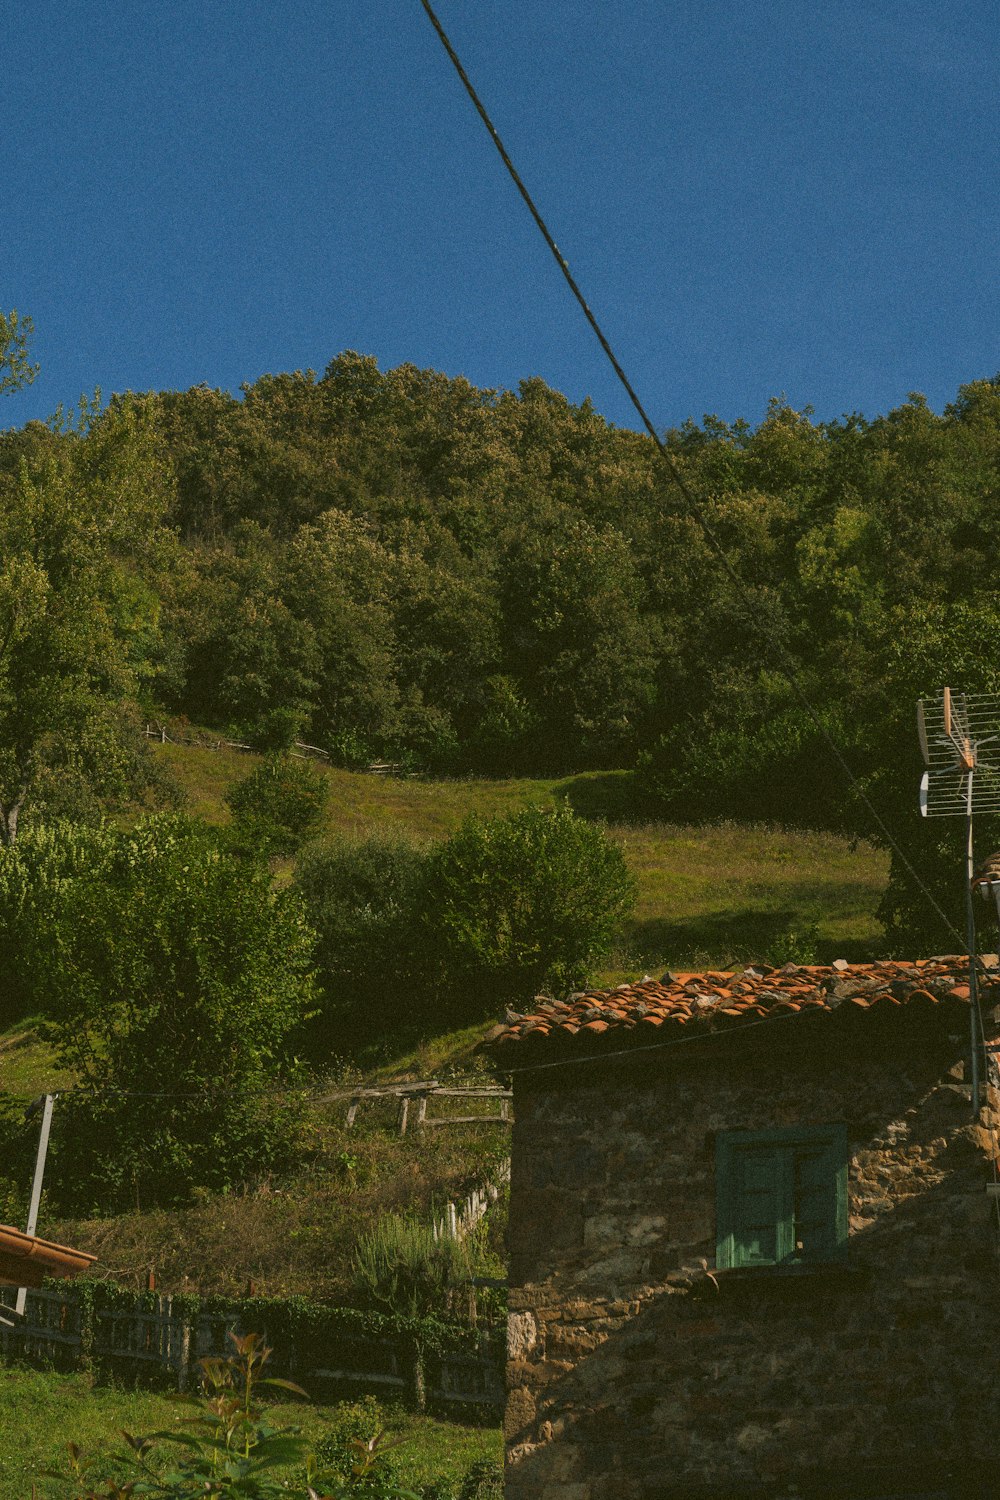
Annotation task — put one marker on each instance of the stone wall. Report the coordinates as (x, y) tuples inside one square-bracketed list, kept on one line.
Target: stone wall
[(637, 1371)]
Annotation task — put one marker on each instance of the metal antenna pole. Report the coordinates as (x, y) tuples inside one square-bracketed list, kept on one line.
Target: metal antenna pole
[(970, 935), (959, 736), (36, 1186)]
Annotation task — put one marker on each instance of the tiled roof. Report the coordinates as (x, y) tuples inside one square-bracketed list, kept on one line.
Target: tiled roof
[(683, 1004), (25, 1260)]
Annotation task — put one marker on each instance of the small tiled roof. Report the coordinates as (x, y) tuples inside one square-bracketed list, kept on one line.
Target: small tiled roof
[(684, 1004), (25, 1260)]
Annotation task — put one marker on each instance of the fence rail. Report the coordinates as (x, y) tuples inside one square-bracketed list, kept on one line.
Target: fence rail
[(60, 1327), (420, 1093), (299, 748)]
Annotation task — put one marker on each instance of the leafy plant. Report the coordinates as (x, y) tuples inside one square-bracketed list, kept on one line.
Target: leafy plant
[(797, 943), (483, 1480), (362, 899), (232, 1449), (401, 1266), (515, 904), (173, 978), (354, 1451), (280, 804)]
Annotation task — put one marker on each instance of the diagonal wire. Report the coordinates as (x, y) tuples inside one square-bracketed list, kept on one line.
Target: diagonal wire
[(784, 660)]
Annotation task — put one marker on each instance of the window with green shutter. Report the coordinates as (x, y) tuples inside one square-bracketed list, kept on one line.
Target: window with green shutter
[(781, 1196)]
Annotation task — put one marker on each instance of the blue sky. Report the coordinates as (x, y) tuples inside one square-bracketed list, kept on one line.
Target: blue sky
[(757, 198)]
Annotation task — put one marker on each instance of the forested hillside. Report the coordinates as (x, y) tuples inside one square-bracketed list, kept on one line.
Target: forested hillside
[(398, 565)]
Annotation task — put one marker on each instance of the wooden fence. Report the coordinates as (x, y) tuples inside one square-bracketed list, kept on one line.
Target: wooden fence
[(219, 742), (418, 1094), (129, 1339)]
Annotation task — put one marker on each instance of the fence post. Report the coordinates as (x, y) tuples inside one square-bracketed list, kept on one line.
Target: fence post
[(417, 1375), (85, 1297), (184, 1354)]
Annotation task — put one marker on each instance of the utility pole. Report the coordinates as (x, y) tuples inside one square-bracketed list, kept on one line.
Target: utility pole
[(45, 1101)]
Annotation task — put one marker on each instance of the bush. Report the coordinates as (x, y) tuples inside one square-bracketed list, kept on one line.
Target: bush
[(401, 1267), (483, 1480), (34, 874), (363, 900), (517, 904), (279, 805), (230, 1447), (355, 1427), (175, 980), (502, 908)]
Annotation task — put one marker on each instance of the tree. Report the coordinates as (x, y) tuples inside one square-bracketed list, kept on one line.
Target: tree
[(516, 904), (34, 874), (579, 641), (338, 582), (175, 980), (79, 531), (16, 369), (245, 661)]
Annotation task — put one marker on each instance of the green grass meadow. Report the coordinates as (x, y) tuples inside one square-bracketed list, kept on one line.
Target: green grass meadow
[(41, 1411), (709, 896)]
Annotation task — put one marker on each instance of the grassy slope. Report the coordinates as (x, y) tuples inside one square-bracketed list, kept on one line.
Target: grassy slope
[(41, 1412), (707, 896)]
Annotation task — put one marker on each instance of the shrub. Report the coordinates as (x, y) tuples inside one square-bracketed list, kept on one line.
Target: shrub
[(175, 979), (352, 1435), (231, 1448), (516, 904), (279, 805), (362, 899), (483, 1480), (34, 875), (402, 1267)]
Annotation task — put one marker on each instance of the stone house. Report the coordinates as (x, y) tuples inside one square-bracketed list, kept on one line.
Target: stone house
[(753, 1242)]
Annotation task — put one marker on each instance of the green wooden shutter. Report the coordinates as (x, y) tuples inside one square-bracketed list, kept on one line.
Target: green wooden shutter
[(754, 1205), (781, 1196), (819, 1212)]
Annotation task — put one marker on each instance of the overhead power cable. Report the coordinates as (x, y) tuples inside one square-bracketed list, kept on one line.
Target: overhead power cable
[(783, 658)]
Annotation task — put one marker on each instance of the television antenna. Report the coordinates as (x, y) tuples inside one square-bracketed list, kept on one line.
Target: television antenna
[(959, 737)]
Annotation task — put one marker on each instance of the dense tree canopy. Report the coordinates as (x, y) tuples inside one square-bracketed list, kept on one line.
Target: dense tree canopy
[(399, 565), (80, 557)]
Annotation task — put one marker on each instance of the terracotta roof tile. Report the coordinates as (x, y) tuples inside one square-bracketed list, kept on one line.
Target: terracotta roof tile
[(691, 1002), (25, 1260)]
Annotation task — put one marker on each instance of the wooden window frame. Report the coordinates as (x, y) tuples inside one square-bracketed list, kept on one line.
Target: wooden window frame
[(783, 1144)]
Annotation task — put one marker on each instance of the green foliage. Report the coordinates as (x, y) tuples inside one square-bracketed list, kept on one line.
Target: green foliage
[(516, 904), (363, 900), (573, 600), (403, 1268), (407, 568), (171, 973), (240, 657), (279, 805), (796, 944), (483, 1480), (35, 874), (16, 369), (491, 914), (231, 1448), (80, 541), (352, 1453)]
